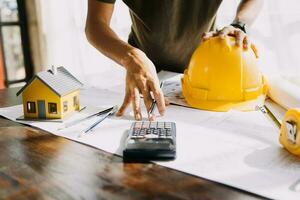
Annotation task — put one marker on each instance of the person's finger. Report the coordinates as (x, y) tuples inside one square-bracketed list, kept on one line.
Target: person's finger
[(152, 117), (135, 101), (222, 33), (143, 88), (147, 100), (239, 35), (125, 103), (207, 35), (158, 96), (229, 30), (253, 47), (167, 102), (246, 43)]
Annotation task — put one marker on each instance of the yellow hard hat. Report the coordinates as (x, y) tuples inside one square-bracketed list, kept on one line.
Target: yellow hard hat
[(222, 76)]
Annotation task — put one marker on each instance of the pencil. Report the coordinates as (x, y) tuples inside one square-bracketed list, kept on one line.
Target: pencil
[(112, 111), (74, 122), (154, 104), (81, 109)]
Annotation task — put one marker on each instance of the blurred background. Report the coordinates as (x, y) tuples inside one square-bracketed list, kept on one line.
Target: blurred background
[(36, 34)]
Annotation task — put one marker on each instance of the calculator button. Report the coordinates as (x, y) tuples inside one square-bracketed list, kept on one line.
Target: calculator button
[(143, 132), (145, 124), (138, 125), (151, 130), (168, 125), (160, 125), (153, 124)]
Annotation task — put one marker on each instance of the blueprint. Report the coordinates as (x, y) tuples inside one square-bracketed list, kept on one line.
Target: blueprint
[(239, 149), (172, 88)]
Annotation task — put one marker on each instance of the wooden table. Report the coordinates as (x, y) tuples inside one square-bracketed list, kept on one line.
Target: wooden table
[(37, 165)]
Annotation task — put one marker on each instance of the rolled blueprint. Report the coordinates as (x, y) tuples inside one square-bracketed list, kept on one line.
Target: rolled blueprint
[(284, 92)]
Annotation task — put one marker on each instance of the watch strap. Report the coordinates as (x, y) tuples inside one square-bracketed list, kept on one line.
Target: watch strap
[(240, 25)]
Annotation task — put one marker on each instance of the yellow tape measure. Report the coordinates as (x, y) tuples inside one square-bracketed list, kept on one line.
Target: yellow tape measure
[(289, 131), (289, 128)]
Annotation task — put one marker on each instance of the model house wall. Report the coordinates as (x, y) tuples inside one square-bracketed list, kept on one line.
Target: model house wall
[(70, 103), (39, 101), (36, 99)]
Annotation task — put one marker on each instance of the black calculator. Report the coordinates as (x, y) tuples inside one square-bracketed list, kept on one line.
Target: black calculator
[(149, 140)]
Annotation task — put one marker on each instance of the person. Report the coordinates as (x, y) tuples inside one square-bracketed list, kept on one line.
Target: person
[(163, 36)]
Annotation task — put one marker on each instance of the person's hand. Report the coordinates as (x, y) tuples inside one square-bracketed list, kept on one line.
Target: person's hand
[(141, 78), (240, 36)]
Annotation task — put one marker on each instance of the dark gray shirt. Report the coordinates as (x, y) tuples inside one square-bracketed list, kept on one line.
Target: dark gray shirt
[(168, 31)]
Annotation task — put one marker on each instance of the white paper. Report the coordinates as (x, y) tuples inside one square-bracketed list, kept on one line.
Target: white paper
[(239, 149), (172, 88)]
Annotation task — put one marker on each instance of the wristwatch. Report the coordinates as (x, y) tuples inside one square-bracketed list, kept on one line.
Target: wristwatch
[(239, 25)]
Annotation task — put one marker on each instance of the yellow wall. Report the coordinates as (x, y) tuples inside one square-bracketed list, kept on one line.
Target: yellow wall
[(70, 103), (37, 90)]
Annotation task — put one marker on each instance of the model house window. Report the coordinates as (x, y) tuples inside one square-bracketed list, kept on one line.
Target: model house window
[(75, 101), (65, 106), (31, 107), (52, 107)]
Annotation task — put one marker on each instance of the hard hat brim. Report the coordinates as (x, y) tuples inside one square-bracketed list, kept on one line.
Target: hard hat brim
[(222, 106)]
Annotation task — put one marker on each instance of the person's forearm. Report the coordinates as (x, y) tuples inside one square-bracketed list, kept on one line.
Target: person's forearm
[(248, 10), (103, 38)]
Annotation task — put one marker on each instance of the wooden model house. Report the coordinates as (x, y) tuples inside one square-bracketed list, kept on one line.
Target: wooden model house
[(51, 94)]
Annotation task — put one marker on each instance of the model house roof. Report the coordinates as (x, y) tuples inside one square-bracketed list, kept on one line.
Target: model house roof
[(60, 80)]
